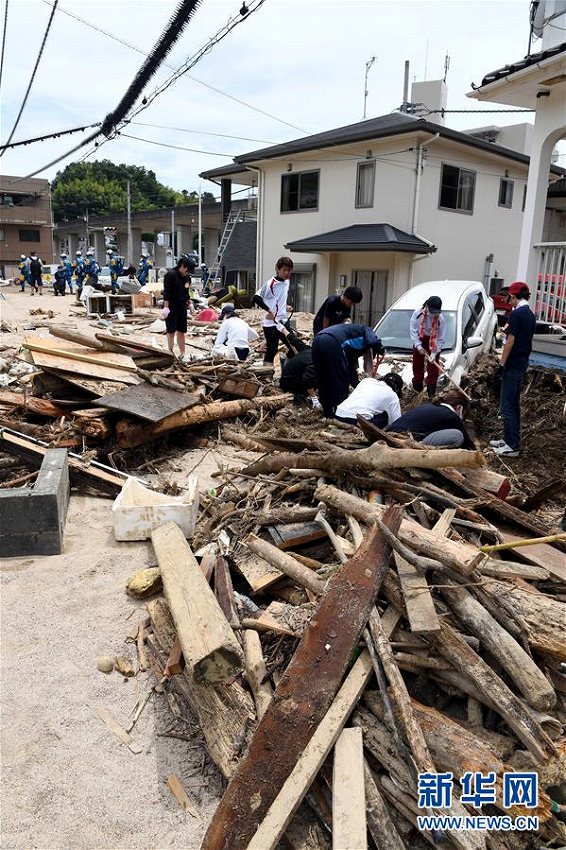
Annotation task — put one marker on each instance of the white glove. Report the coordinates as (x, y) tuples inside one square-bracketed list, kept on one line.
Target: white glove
[(315, 403), (165, 312)]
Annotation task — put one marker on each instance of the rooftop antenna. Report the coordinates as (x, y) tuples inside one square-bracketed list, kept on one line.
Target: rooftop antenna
[(446, 66), (369, 63)]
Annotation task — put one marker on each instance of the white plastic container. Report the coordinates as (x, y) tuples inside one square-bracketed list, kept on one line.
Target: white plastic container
[(137, 510)]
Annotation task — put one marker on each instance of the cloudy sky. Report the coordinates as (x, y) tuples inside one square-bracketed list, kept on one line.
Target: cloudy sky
[(296, 66)]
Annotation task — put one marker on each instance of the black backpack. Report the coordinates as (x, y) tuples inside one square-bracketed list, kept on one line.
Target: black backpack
[(35, 267)]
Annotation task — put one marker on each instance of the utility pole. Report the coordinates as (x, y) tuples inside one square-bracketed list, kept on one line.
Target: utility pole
[(129, 214), (87, 231), (173, 236), (369, 63), (199, 223)]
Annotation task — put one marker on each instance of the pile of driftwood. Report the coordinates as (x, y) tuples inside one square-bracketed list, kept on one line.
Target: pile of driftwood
[(350, 615), (101, 395)]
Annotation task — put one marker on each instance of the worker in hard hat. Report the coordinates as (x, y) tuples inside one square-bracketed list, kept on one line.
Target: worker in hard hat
[(23, 268), (92, 268), (116, 265), (144, 266), (68, 271), (79, 269)]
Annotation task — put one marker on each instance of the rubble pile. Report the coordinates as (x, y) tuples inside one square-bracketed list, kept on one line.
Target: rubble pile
[(354, 611)]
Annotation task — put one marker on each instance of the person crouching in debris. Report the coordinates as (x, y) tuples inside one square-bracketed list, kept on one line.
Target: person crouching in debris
[(272, 297), (335, 354), (176, 285), (427, 329), (60, 279), (234, 337), (514, 361), (438, 424), (374, 399), (298, 376)]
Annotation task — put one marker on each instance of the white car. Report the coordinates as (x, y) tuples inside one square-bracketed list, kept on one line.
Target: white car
[(471, 323)]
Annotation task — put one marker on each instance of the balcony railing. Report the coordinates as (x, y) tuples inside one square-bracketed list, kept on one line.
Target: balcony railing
[(550, 297), (25, 214)]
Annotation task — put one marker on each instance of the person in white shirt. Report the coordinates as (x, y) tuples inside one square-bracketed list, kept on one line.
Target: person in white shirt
[(234, 337), (272, 297), (427, 329), (376, 400)]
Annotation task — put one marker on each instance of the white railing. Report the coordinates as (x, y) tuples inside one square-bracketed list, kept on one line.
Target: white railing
[(550, 294)]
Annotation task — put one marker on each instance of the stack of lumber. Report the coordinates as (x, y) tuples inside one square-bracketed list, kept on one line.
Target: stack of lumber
[(101, 392), (350, 616)]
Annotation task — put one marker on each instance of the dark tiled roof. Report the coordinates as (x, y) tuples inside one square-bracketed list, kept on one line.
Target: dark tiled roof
[(362, 237), (522, 63)]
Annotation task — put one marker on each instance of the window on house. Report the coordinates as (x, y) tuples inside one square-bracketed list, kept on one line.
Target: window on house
[(457, 188), (506, 193), (365, 183), (302, 286), (29, 236), (524, 204), (299, 191)]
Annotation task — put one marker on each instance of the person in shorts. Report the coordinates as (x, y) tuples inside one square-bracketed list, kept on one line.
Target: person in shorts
[(176, 291)]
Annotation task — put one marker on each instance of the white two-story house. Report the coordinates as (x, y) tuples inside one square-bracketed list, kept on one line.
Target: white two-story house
[(384, 204)]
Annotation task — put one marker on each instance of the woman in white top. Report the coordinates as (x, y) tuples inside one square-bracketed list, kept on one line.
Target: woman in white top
[(234, 337), (376, 400)]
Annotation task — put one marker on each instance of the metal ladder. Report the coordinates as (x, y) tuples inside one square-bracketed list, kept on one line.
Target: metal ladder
[(231, 223)]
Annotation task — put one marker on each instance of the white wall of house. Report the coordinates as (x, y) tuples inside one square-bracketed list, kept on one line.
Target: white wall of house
[(463, 240)]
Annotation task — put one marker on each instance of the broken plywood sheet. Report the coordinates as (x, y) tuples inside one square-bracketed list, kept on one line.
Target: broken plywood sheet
[(148, 402), (95, 387), (56, 362), (257, 572), (79, 353), (136, 344)]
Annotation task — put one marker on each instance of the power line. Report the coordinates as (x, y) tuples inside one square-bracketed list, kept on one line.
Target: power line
[(131, 46), (54, 135), (3, 40), (175, 147), (37, 61), (201, 132)]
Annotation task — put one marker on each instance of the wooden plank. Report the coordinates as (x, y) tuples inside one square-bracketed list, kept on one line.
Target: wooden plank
[(256, 671), (210, 648), (295, 534), (116, 729), (42, 406), (418, 600), (257, 571), (313, 757), (238, 387), (180, 795), (136, 344), (148, 402), (81, 353), (87, 370), (349, 830), (541, 555), (303, 696), (93, 386)]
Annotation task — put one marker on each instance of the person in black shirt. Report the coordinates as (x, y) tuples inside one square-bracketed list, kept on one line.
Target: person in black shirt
[(514, 361), (298, 376), (438, 424), (176, 287), (336, 309)]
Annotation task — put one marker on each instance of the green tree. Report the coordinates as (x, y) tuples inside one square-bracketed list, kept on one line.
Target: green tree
[(100, 187)]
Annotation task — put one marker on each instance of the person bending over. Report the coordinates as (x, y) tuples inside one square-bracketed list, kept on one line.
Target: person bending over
[(439, 424), (233, 338), (272, 297), (298, 376), (336, 309), (376, 400)]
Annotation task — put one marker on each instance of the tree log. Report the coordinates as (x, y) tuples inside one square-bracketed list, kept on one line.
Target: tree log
[(381, 827), (88, 340), (303, 695), (530, 680), (210, 648), (286, 563), (376, 457), (223, 711), (131, 434), (462, 556)]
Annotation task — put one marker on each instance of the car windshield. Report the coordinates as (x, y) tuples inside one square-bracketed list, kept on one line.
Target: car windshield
[(393, 330)]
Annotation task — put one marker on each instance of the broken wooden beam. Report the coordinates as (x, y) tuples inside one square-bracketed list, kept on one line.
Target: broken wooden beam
[(256, 671), (349, 829), (302, 697), (288, 565), (210, 648)]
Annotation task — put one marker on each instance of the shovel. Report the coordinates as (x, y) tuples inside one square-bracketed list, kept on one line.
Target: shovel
[(449, 377)]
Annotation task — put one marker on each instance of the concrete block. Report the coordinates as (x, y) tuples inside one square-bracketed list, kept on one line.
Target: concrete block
[(32, 521)]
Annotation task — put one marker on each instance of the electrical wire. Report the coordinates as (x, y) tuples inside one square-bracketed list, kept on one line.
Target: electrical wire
[(201, 132), (3, 40), (54, 135), (175, 147), (37, 61), (131, 46)]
